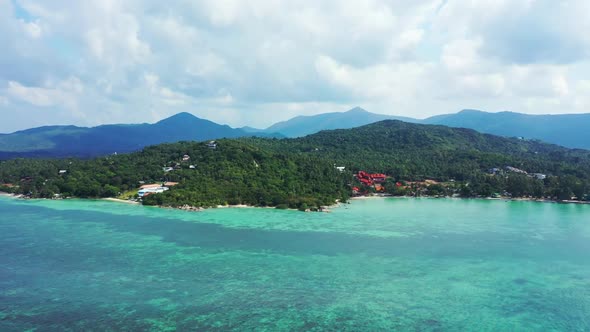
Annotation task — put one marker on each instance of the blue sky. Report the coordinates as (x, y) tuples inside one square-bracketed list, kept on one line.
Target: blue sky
[(262, 61)]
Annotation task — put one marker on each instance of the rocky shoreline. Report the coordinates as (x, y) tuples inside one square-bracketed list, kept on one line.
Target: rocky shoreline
[(190, 208)]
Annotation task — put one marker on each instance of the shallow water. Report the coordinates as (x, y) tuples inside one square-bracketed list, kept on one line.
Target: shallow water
[(378, 264)]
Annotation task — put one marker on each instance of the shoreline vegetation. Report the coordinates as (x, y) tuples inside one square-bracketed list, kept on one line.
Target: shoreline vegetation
[(183, 208), (314, 172), (511, 199), (326, 209)]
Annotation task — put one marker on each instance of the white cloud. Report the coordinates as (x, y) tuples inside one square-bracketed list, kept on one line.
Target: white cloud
[(33, 29), (33, 95), (62, 93), (256, 62), (165, 94)]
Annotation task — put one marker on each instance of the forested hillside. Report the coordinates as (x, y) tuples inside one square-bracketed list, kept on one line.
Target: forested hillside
[(569, 130), (305, 125), (235, 172), (301, 173), (415, 152)]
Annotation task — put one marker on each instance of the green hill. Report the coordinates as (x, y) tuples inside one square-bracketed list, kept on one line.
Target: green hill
[(300, 172), (235, 172), (570, 130), (406, 149), (306, 125)]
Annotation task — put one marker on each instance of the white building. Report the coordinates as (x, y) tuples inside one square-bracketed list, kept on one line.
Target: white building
[(156, 190)]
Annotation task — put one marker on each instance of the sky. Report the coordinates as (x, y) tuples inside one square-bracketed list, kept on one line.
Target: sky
[(257, 62)]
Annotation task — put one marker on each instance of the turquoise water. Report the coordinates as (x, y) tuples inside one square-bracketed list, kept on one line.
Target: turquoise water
[(374, 265)]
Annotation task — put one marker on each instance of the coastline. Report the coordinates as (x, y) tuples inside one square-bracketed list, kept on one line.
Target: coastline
[(517, 199), (189, 208), (325, 209), (118, 200)]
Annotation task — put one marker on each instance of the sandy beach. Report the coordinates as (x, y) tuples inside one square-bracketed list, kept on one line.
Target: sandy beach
[(110, 199)]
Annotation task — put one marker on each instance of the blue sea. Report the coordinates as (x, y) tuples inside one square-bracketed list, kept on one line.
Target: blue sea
[(372, 265)]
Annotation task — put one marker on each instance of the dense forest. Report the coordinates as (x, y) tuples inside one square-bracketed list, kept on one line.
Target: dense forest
[(235, 172), (300, 173), (414, 152)]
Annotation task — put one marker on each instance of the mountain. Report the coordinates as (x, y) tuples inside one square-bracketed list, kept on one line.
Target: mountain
[(305, 125), (252, 129), (63, 141), (66, 141), (421, 151), (300, 172), (570, 130), (416, 152)]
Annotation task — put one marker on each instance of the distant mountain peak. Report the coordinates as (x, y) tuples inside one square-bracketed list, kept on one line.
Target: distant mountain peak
[(179, 117), (471, 111), (357, 109)]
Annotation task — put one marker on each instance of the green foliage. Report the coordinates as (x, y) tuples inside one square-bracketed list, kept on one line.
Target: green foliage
[(414, 152), (235, 173), (300, 174)]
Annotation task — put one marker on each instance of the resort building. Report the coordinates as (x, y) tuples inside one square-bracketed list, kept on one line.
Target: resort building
[(149, 191)]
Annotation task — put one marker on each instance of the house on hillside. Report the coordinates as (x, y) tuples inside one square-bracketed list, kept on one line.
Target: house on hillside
[(62, 171), (212, 145), (186, 157), (340, 168), (167, 169), (539, 176)]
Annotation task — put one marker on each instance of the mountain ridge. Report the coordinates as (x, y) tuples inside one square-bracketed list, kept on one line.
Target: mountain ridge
[(74, 141), (303, 125), (302, 173), (569, 130)]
